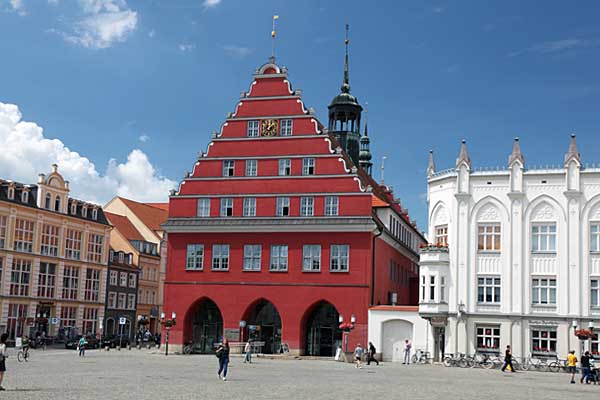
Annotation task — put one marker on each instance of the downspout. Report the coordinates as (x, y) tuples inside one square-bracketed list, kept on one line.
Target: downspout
[(379, 233)]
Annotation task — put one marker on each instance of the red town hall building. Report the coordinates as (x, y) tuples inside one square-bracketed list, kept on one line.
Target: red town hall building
[(278, 235)]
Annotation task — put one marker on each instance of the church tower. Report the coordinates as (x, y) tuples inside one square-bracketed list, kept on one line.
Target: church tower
[(344, 115)]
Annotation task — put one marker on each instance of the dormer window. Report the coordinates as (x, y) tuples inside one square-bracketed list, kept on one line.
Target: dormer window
[(73, 208), (95, 214), (48, 203), (111, 255), (84, 212), (130, 258), (24, 196), (121, 257), (11, 193), (57, 204)]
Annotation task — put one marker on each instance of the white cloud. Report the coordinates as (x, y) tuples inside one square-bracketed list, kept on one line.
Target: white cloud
[(53, 2), (152, 33), (186, 47), (211, 3), (144, 138), (238, 51), (28, 152), (105, 23), (18, 6), (557, 46), (438, 10)]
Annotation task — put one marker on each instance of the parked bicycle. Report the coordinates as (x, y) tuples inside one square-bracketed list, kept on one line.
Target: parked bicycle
[(420, 357), (558, 365), (532, 363), (455, 360)]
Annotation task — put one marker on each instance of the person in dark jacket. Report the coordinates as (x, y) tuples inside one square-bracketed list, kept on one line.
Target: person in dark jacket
[(586, 372), (508, 360), (371, 354), (223, 355)]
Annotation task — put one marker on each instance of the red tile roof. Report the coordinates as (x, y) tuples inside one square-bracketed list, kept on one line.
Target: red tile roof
[(150, 214), (162, 206), (123, 225)]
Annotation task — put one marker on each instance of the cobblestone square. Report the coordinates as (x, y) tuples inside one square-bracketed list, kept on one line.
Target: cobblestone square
[(60, 374)]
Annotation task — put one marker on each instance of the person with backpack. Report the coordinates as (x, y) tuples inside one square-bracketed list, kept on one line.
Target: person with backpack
[(371, 354), (223, 356), (3, 340)]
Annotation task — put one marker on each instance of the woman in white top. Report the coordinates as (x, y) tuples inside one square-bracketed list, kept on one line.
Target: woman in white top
[(3, 340)]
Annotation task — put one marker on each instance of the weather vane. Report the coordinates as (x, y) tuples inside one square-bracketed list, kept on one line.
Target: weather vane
[(275, 18)]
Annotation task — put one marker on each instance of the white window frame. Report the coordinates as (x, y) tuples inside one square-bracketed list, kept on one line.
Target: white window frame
[(490, 341), (112, 300), (252, 257), (543, 287), (251, 167), (253, 128), (543, 237), (286, 127), (70, 290), (132, 281), (226, 206), (24, 235), (122, 301), (307, 206), (20, 277), (123, 279), (308, 166), (95, 247), (113, 278), (442, 289), (489, 237), (423, 288), (489, 285), (228, 168), (431, 289), (249, 207), (332, 205), (594, 237), (220, 257), (595, 292), (203, 207), (339, 258), (311, 258), (285, 167), (73, 244), (3, 227), (537, 334), (194, 260), (441, 235), (279, 258), (47, 280), (50, 239), (131, 301), (283, 204), (91, 291)]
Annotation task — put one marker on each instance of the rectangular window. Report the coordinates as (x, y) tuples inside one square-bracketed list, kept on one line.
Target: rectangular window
[(311, 258), (283, 206), (226, 207), (285, 167), (442, 289), (543, 238), (339, 257), (431, 291), (1, 271), (112, 299), (123, 279), (488, 338), (228, 168), (24, 235), (70, 283), (423, 288), (220, 257), (132, 281), (131, 301), (543, 291), (594, 237), (279, 258), (543, 341), (285, 127), (68, 317), (16, 324), (252, 254), (46, 280), (595, 292), (195, 257), (121, 303), (20, 277), (251, 168), (204, 207), (3, 223), (73, 244), (489, 237), (441, 235), (92, 285), (331, 205), (49, 240), (113, 277), (308, 166), (95, 244), (252, 129), (90, 319), (307, 206), (488, 290), (250, 207)]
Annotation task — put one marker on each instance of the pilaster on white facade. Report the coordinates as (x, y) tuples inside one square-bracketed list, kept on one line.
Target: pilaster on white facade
[(514, 256)]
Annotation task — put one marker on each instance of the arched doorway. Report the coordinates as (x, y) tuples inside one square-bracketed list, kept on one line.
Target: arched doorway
[(394, 333), (264, 325), (323, 335), (207, 326), (110, 327)]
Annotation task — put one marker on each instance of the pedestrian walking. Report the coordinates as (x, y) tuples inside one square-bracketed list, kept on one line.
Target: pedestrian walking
[(407, 349), (508, 360), (586, 371), (81, 346), (572, 365), (371, 354), (248, 353), (3, 340), (358, 351), (223, 356)]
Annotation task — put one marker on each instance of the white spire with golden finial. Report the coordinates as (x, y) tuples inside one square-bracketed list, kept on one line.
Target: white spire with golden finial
[(272, 59)]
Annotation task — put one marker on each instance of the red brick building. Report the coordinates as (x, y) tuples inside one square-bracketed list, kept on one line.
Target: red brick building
[(277, 235)]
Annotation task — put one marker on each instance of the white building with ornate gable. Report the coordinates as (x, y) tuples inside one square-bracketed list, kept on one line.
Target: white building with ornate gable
[(514, 256)]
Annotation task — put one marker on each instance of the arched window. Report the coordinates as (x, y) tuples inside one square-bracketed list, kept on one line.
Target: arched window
[(48, 203), (24, 196), (84, 211), (11, 193), (94, 214), (57, 203), (74, 208)]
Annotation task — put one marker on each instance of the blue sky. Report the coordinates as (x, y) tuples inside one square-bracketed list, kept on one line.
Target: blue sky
[(137, 87)]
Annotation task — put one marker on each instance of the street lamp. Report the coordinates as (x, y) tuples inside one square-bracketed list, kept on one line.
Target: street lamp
[(168, 323), (346, 327)]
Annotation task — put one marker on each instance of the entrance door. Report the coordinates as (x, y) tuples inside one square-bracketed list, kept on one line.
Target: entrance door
[(439, 336), (207, 327), (395, 332), (323, 334), (264, 325)]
